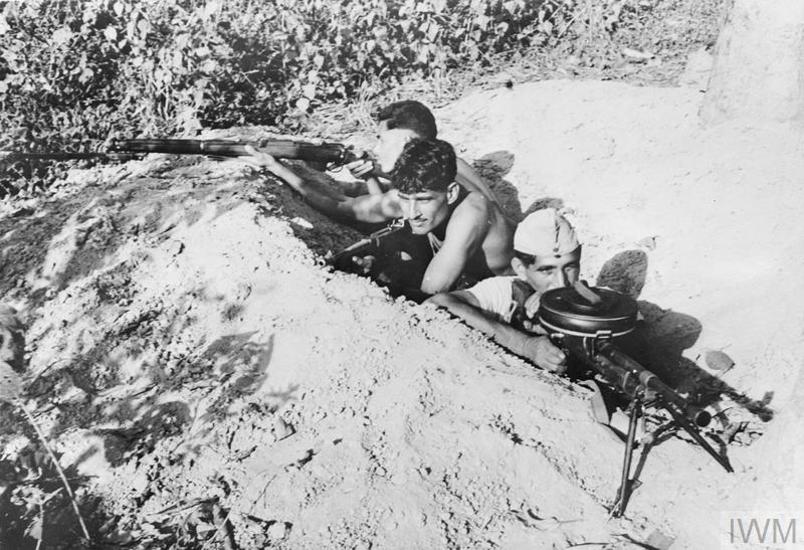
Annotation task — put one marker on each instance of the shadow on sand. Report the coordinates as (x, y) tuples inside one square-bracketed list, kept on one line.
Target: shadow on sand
[(666, 334), (493, 168)]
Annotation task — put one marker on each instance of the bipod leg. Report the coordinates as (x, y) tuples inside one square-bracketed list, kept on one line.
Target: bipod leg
[(693, 432), (635, 411)]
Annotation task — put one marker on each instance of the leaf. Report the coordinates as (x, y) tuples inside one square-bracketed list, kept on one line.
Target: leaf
[(210, 9), (110, 33), (204, 527), (144, 27), (10, 383), (308, 90), (303, 104), (34, 529), (85, 76), (61, 36)]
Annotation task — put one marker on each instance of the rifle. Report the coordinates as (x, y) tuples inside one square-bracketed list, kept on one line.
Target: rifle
[(130, 149), (585, 322), (373, 239)]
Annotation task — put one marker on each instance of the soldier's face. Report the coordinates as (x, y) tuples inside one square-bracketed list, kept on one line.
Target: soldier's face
[(426, 210), (549, 272), (390, 143)]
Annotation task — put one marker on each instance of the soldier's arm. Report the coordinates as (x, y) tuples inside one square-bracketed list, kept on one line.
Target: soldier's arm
[(365, 208), (466, 230), (536, 348)]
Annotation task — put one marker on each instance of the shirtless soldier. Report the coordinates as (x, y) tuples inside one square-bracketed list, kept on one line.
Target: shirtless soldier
[(397, 124), (466, 234)]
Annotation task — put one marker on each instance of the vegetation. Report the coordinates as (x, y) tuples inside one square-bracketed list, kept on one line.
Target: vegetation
[(75, 72)]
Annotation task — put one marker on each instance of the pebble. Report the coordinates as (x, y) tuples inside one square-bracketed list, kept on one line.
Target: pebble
[(277, 531)]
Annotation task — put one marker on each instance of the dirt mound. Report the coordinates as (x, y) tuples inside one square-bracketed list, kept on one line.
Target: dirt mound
[(198, 366)]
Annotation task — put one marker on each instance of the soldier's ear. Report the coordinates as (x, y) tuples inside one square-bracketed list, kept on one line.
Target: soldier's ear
[(519, 268), (408, 136), (453, 190)]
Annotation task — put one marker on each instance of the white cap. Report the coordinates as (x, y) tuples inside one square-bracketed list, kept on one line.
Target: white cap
[(545, 233)]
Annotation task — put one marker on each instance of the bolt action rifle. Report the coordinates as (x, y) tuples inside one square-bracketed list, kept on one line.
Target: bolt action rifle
[(343, 259), (130, 149), (585, 322)]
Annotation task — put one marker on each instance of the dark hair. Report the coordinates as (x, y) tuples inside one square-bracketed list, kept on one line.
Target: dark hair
[(526, 259), (409, 115), (530, 259), (425, 165)]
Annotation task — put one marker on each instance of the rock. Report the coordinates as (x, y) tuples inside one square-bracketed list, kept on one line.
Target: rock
[(277, 531), (717, 360), (636, 55), (660, 541)]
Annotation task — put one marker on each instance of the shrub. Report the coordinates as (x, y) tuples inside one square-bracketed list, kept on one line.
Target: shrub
[(74, 72)]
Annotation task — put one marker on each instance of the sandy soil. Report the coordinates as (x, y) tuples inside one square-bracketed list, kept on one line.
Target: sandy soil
[(197, 365)]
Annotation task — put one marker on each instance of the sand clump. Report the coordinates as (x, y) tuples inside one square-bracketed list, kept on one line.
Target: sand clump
[(190, 352)]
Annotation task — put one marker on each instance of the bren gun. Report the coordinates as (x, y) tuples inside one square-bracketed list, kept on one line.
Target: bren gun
[(584, 322)]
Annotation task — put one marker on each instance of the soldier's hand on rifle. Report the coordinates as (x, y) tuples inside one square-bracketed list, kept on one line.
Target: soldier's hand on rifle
[(361, 168), (363, 264), (261, 160), (541, 351)]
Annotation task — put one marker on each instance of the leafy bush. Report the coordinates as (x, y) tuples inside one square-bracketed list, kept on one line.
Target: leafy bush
[(73, 72)]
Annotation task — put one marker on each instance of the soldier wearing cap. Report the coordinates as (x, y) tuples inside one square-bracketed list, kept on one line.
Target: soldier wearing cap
[(547, 255)]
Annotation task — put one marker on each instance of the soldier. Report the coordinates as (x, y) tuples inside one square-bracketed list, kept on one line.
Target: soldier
[(546, 255), (452, 232), (398, 124)]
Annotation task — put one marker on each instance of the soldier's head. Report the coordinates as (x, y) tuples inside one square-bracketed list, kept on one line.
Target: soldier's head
[(547, 253), (397, 124), (425, 181)]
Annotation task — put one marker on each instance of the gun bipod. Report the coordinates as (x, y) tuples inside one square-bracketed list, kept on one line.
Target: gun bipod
[(634, 412)]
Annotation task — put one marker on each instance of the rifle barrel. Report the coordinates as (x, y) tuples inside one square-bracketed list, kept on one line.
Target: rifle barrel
[(14, 156)]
